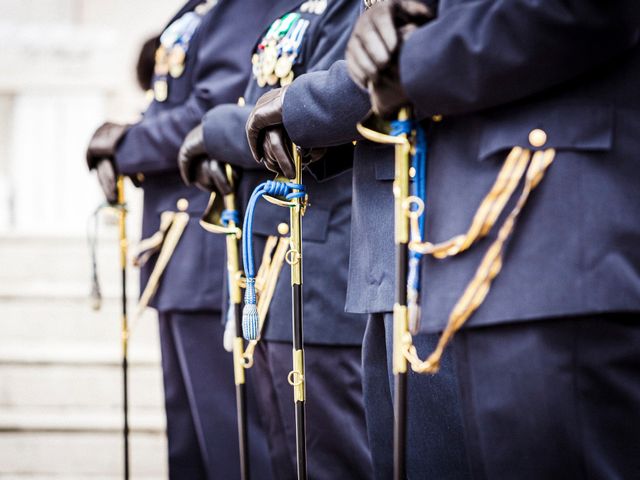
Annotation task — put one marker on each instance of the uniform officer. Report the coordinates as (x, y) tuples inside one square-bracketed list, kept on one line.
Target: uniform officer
[(549, 363), (321, 109), (306, 37), (199, 64)]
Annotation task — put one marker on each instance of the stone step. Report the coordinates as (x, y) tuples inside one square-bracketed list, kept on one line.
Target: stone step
[(29, 476), (65, 320), (72, 443), (78, 386), (148, 421), (75, 354), (55, 267), (88, 456)]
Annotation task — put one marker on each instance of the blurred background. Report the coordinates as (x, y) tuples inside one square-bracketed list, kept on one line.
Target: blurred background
[(66, 66)]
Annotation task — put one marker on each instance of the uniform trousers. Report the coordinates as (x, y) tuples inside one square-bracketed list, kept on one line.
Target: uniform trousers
[(200, 401), (337, 446), (552, 399), (435, 435)]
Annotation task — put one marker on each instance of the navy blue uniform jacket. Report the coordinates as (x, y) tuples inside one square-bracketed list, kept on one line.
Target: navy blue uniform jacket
[(216, 72), (326, 224), (495, 70)]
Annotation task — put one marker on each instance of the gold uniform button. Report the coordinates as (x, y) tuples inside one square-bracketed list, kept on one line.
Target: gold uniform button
[(182, 204), (537, 138), (140, 177), (283, 229), (437, 118)]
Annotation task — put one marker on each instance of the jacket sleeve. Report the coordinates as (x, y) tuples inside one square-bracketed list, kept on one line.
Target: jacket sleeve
[(224, 136), (321, 109), (220, 75), (485, 53)]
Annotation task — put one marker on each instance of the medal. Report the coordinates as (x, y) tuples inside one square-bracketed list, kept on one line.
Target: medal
[(177, 57), (286, 80), (320, 6), (161, 66), (269, 60), (272, 79), (204, 8), (270, 50), (161, 90), (284, 66)]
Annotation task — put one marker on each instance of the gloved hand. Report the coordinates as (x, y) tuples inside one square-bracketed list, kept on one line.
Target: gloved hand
[(101, 157), (108, 179), (104, 143), (269, 142), (372, 51), (267, 137), (197, 169)]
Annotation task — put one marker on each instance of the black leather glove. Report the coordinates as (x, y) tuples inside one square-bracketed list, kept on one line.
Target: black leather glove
[(211, 176), (197, 169), (108, 179), (269, 142), (267, 137), (192, 153), (372, 51), (101, 157), (104, 143)]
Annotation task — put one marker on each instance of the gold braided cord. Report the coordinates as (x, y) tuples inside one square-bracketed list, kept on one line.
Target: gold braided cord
[(488, 212), (489, 268)]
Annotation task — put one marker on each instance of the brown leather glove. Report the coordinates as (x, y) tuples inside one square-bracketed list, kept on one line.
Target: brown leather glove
[(372, 51), (108, 179), (197, 169), (104, 143), (211, 176), (268, 139), (101, 157)]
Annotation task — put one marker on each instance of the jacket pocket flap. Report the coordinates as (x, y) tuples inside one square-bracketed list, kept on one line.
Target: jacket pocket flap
[(315, 223), (384, 163), (567, 127)]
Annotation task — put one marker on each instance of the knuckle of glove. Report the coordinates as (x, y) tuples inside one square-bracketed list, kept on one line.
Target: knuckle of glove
[(268, 110), (219, 177), (415, 11)]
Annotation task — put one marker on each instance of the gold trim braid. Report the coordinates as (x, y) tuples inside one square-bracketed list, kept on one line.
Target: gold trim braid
[(491, 264)]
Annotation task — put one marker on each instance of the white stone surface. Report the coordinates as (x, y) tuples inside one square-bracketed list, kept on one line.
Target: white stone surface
[(67, 65), (60, 370)]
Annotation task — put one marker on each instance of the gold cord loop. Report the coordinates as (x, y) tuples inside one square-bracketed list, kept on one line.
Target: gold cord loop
[(491, 264), (295, 378), (293, 257), (488, 212)]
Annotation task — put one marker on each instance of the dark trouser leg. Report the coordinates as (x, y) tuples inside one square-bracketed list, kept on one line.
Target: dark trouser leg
[(337, 445), (553, 399), (272, 413), (208, 371), (435, 435), (185, 459), (378, 403)]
